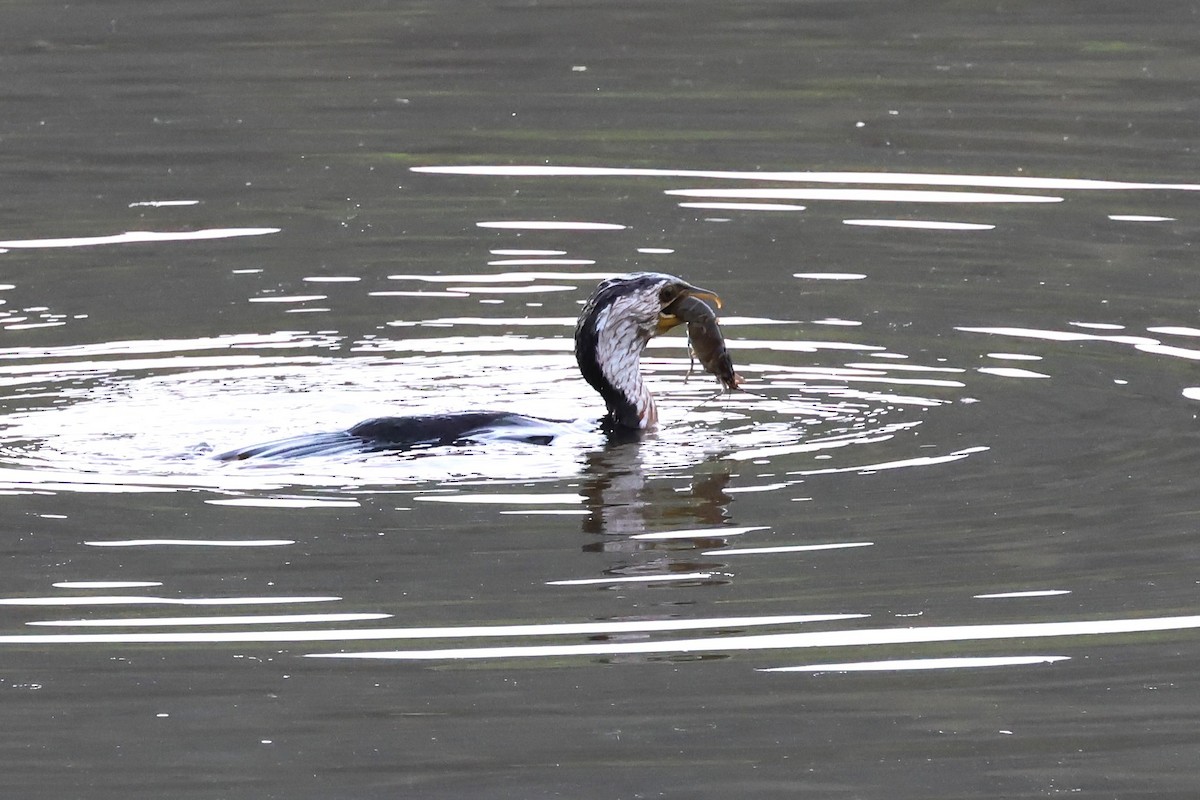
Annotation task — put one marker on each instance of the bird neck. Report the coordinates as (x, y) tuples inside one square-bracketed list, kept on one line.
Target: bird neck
[(608, 347)]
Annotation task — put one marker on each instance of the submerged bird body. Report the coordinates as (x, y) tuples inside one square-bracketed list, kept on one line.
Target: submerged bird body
[(616, 323), (407, 433)]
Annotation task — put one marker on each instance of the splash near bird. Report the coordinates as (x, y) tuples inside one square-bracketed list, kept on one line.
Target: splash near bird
[(617, 322)]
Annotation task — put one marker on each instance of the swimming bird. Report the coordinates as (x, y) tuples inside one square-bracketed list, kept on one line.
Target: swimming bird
[(616, 323)]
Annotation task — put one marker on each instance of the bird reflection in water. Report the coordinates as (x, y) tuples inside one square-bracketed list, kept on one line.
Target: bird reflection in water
[(621, 501), (626, 508)]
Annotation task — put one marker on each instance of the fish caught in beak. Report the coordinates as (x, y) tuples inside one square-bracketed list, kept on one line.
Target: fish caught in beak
[(668, 318), (704, 334)]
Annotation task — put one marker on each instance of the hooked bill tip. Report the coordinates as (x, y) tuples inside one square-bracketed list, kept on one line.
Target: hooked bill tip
[(703, 294)]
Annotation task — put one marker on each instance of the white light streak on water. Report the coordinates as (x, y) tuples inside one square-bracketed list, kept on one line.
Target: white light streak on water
[(550, 225), (285, 502), (746, 206), (545, 262), (1014, 356), (139, 236), (829, 276), (506, 277), (416, 294), (1062, 336), (142, 600), (283, 339), (24, 326), (885, 368), (766, 487), (528, 252), (880, 178), (288, 298), (788, 641), (163, 203), (1175, 330), (797, 548), (1098, 326), (1141, 343), (534, 289), (1168, 350), (866, 195), (1012, 372), (924, 461), (170, 622), (698, 533), (919, 224), (504, 499), (459, 632), (902, 665), (171, 362), (681, 576), (105, 584), (192, 543)]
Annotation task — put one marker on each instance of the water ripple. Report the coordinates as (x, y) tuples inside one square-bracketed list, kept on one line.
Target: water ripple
[(881, 178), (792, 641), (137, 237)]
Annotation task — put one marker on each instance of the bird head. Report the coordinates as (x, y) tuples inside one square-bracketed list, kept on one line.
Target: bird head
[(616, 323)]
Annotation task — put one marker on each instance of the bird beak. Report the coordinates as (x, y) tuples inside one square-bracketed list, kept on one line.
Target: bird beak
[(668, 321), (703, 294)]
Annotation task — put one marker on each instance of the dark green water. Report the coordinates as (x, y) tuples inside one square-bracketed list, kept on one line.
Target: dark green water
[(944, 546)]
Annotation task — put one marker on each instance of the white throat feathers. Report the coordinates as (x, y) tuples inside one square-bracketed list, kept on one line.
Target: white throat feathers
[(622, 331)]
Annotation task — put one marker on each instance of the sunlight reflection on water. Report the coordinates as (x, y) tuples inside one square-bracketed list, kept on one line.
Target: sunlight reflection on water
[(141, 416), (788, 641), (117, 419), (100, 433), (136, 237), (123, 414), (881, 178)]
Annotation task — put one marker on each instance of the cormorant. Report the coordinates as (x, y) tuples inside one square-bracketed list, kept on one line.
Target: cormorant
[(617, 321)]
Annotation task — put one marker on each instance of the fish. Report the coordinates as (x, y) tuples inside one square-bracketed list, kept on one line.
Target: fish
[(704, 334)]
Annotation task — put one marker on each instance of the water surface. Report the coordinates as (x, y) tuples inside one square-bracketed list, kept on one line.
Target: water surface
[(939, 548)]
